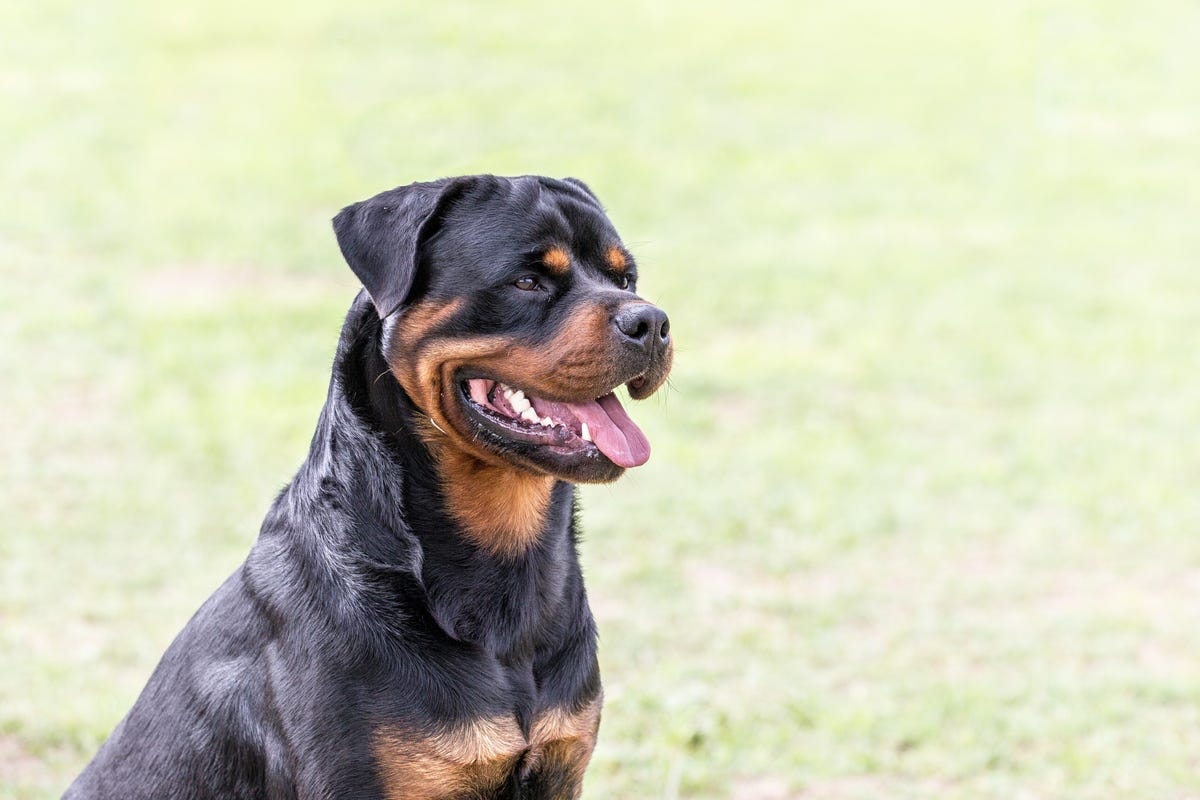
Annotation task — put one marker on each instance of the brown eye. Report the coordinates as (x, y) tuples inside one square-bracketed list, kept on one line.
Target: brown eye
[(526, 283), (623, 281)]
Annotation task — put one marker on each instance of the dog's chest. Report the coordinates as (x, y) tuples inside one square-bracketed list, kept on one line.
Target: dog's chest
[(485, 757)]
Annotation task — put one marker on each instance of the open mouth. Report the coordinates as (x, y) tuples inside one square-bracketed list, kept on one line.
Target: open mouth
[(566, 429)]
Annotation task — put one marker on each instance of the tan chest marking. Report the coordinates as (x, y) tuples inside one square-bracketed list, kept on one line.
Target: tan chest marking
[(501, 509), (480, 755)]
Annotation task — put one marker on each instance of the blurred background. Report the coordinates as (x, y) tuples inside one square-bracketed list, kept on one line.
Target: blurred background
[(921, 518)]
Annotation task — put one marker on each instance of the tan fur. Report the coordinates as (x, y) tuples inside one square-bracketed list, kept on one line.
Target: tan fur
[(501, 509), (559, 723), (616, 258), (557, 259), (477, 756), (502, 506)]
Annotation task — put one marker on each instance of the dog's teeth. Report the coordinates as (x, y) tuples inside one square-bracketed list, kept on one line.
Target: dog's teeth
[(529, 415), (519, 404), (585, 434), (546, 422)]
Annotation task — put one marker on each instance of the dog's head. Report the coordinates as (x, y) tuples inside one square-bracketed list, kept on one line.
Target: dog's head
[(510, 315)]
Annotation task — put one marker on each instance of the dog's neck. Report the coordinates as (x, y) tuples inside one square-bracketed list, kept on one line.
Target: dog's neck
[(500, 508), (478, 591)]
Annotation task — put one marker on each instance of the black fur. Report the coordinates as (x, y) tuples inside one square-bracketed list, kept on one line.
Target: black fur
[(385, 262), (361, 603)]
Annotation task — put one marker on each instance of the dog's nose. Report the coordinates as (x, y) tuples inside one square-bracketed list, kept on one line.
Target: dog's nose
[(644, 325)]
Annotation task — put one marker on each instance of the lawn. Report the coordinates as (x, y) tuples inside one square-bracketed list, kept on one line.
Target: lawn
[(922, 516)]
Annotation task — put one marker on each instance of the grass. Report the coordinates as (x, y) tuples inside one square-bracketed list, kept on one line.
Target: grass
[(921, 517)]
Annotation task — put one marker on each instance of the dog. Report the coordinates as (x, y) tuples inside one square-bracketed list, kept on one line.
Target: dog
[(411, 623)]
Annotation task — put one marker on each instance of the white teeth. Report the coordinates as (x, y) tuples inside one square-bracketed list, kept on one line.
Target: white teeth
[(519, 403), (585, 434), (546, 422), (507, 393), (529, 415)]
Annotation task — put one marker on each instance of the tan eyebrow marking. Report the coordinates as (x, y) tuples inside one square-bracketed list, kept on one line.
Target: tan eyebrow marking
[(557, 259), (616, 258)]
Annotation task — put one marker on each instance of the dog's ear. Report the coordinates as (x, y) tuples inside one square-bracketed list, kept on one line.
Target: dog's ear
[(381, 238), (583, 187)]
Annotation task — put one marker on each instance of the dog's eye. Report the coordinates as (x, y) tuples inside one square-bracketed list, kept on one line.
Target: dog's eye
[(623, 281), (526, 283)]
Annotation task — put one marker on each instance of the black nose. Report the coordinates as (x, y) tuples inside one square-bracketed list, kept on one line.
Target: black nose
[(644, 325)]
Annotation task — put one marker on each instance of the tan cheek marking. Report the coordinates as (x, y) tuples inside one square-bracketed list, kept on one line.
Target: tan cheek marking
[(407, 336), (424, 317), (501, 507), (574, 362), (616, 259), (475, 757), (557, 259)]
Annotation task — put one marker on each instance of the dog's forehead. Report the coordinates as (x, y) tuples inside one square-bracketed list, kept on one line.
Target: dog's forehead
[(501, 227)]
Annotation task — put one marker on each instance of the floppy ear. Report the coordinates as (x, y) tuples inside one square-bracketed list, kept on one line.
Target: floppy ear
[(380, 238)]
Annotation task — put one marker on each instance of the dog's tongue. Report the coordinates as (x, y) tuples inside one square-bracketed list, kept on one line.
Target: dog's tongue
[(612, 431)]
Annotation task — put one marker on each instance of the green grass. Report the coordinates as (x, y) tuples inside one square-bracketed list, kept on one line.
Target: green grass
[(921, 518)]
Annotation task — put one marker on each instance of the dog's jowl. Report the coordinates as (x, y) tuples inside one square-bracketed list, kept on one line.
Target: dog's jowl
[(411, 623)]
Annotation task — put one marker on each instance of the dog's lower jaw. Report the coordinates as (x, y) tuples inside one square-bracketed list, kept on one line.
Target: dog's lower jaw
[(501, 509)]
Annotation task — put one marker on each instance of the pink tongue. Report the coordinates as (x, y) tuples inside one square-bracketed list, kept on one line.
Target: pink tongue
[(612, 431)]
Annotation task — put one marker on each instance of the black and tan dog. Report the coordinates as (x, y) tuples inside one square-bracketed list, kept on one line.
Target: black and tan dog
[(411, 623)]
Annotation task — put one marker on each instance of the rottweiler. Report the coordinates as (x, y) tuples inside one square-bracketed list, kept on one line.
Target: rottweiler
[(411, 622)]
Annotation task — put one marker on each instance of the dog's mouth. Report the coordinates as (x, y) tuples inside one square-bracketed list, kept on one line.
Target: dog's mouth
[(568, 430)]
